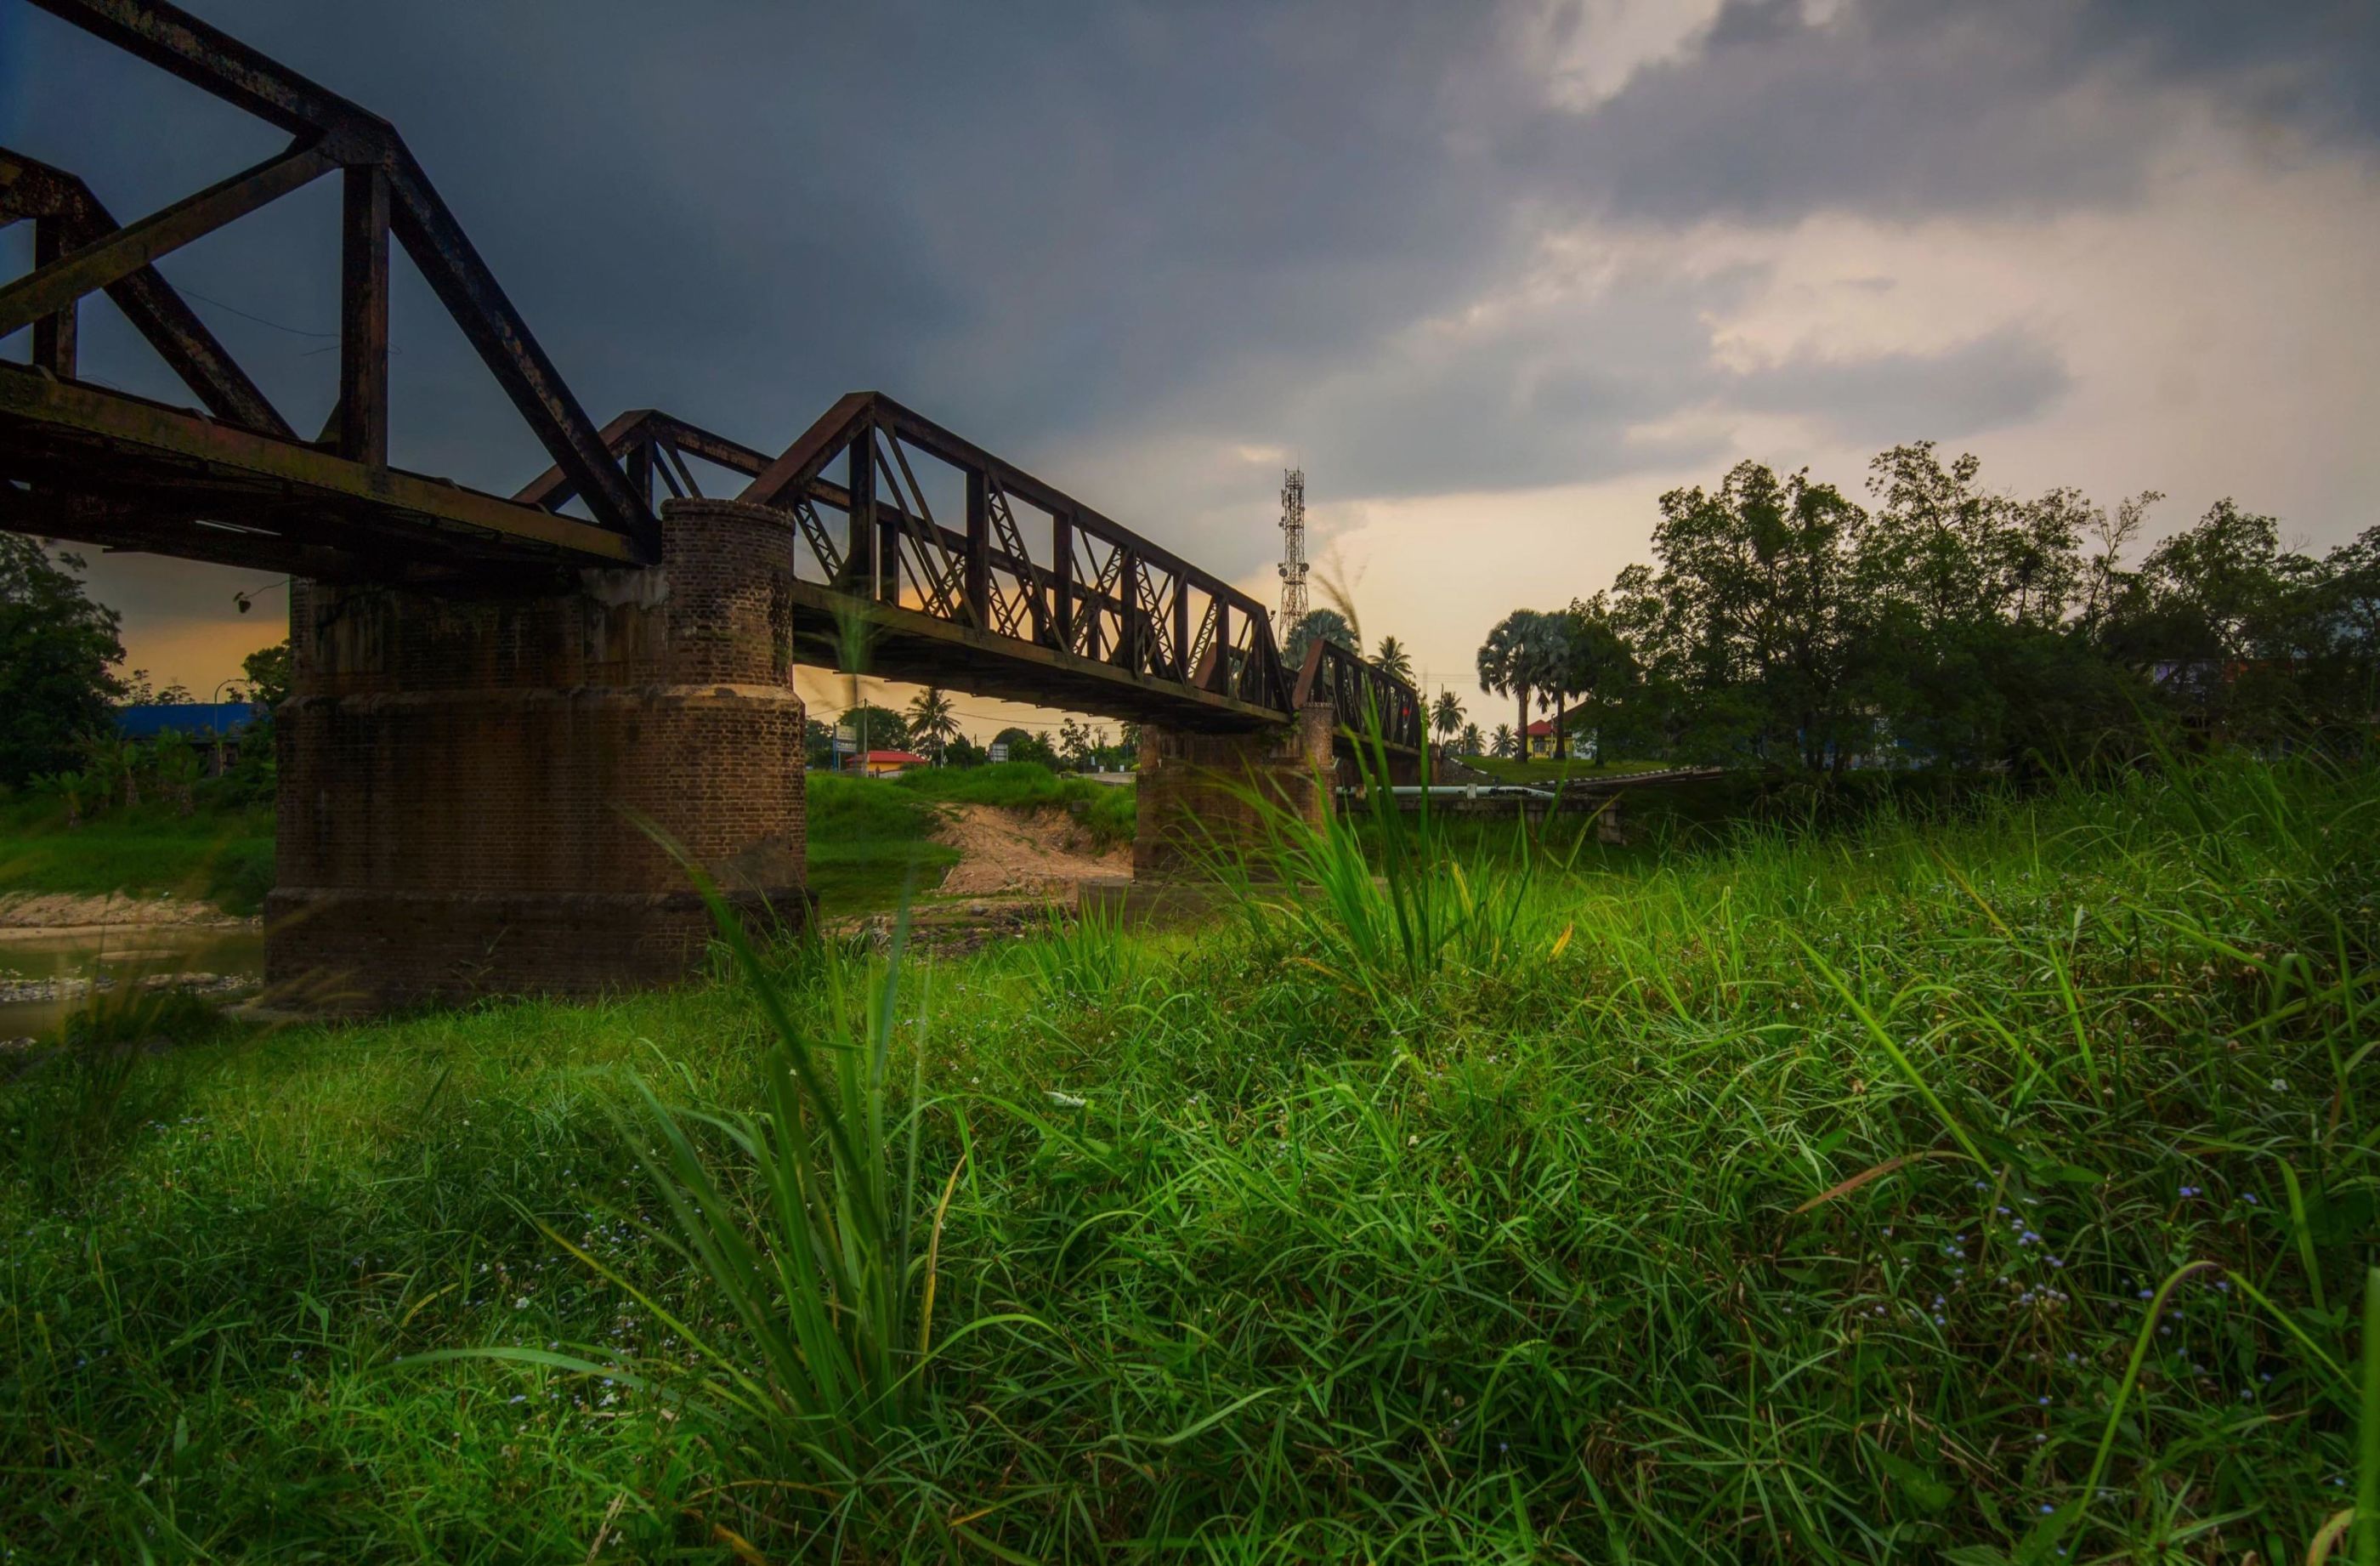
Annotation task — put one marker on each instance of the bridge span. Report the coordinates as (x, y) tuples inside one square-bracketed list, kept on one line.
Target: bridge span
[(496, 696)]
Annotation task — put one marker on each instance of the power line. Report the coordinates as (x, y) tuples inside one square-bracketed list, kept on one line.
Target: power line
[(277, 327)]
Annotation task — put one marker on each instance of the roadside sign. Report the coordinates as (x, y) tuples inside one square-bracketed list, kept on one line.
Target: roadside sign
[(1000, 750)]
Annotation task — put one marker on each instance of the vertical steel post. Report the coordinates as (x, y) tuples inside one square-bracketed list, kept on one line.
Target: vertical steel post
[(362, 433), (1181, 670), (861, 561), (978, 548), (1133, 653), (1062, 557)]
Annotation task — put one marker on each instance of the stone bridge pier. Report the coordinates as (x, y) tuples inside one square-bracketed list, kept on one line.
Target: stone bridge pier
[(471, 786), (1200, 792)]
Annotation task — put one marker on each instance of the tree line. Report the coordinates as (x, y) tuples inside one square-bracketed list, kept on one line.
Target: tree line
[(61, 685), (1784, 623), (928, 726)]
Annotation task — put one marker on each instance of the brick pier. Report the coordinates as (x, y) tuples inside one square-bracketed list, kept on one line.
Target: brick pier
[(466, 783), (1195, 792)]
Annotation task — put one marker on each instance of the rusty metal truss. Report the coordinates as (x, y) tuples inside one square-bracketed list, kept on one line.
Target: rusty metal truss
[(1364, 697), (925, 542), (919, 554), (242, 485)]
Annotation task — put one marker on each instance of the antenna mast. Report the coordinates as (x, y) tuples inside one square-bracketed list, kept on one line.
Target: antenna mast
[(1293, 548)]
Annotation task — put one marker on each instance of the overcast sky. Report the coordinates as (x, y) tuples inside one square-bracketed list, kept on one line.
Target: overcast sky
[(1496, 276)]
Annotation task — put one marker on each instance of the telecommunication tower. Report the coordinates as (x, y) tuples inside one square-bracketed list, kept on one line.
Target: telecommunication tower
[(1293, 548)]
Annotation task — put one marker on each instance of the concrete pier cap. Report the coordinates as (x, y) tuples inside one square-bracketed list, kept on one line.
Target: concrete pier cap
[(478, 793)]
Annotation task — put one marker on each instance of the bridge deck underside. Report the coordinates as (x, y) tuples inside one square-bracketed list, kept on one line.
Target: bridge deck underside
[(122, 472)]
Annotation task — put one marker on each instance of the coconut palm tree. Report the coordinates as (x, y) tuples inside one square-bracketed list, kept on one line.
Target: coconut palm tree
[(1446, 717), (1393, 659), (931, 721), (1471, 742), (1515, 659), (1503, 744)]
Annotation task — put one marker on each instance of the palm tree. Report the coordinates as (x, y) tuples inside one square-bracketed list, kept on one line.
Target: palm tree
[(1471, 742), (931, 719), (1512, 659), (1447, 716), (1503, 745), (1393, 659)]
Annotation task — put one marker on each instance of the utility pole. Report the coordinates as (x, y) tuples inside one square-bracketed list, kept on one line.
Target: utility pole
[(1293, 549)]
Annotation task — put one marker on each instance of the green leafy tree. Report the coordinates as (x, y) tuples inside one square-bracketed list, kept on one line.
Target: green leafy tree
[(116, 763), (68, 789), (268, 673), (57, 652), (875, 728), (1470, 744), (1598, 664), (1025, 745), (1505, 744), (1391, 658), (174, 763)]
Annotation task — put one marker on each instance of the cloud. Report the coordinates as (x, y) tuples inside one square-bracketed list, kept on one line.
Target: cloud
[(1434, 252)]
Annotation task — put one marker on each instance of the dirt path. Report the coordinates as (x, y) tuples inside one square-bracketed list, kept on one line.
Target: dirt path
[(1005, 853)]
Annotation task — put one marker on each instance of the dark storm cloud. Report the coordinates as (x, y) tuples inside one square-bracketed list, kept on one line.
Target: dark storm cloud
[(1911, 108), (1063, 228)]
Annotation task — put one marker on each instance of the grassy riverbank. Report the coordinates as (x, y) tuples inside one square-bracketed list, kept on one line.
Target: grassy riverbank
[(1809, 1196), (869, 837), (222, 852)]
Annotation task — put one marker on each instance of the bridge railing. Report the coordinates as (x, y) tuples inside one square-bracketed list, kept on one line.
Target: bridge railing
[(1361, 695), (876, 490)]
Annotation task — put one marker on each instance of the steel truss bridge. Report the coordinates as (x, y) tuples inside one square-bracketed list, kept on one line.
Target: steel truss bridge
[(923, 557)]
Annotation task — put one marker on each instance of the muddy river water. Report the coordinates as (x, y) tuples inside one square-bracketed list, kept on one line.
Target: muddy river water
[(39, 968)]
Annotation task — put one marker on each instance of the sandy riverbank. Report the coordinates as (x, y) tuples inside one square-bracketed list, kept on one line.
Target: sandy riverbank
[(49, 915)]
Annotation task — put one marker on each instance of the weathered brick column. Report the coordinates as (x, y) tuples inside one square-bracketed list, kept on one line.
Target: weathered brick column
[(466, 783), (1195, 791)]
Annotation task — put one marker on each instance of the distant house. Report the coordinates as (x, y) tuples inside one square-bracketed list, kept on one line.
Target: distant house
[(211, 726), (1582, 739), (889, 763)]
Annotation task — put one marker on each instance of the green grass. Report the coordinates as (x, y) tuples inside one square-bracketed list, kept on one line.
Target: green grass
[(869, 839), (1822, 1195), (223, 854), (1541, 769)]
